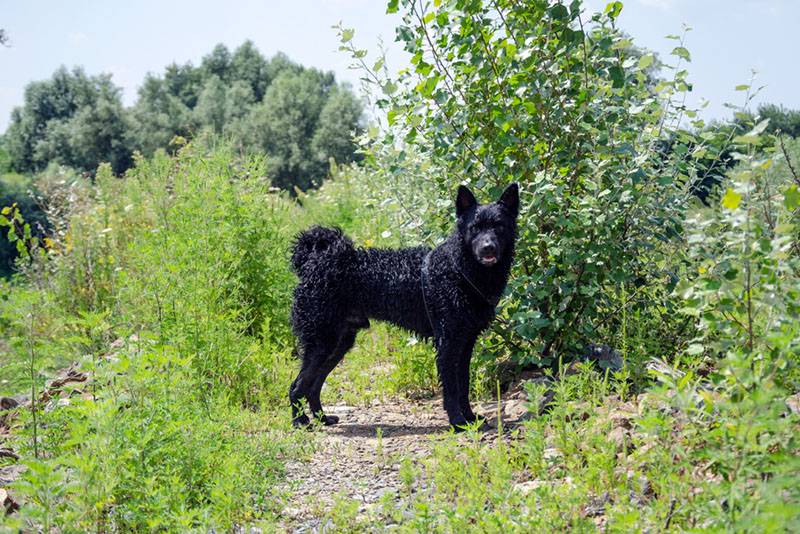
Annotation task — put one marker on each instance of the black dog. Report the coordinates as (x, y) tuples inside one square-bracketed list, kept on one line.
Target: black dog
[(448, 293)]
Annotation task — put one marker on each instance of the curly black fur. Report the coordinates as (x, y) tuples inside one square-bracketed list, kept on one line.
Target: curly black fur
[(448, 293)]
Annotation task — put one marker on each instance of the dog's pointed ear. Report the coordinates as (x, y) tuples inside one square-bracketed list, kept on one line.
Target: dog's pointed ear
[(510, 198), (465, 201)]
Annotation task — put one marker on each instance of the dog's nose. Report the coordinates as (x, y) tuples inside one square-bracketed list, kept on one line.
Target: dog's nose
[(487, 249)]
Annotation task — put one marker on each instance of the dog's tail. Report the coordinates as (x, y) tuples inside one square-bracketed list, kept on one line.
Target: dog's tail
[(318, 243)]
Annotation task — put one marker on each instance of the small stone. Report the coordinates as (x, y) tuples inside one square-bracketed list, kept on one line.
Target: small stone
[(529, 486), (551, 452), (515, 409), (597, 506), (605, 357), (5, 452), (793, 403), (11, 473), (7, 403), (620, 420), (618, 436), (7, 502)]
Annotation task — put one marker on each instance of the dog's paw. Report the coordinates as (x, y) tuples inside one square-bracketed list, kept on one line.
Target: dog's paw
[(471, 417), (301, 421), (329, 420), (459, 425)]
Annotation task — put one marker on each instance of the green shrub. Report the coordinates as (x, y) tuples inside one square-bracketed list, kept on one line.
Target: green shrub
[(171, 288), (745, 294), (19, 190), (148, 452), (602, 203)]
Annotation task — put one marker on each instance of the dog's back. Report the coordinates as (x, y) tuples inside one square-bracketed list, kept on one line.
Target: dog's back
[(338, 279)]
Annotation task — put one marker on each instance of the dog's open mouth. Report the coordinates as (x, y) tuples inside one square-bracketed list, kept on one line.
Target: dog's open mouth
[(488, 260)]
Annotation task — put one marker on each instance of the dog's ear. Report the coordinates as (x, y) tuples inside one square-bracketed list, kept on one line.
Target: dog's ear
[(465, 201), (510, 198)]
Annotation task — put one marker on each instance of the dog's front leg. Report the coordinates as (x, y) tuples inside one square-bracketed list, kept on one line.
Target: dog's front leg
[(448, 355), (463, 379)]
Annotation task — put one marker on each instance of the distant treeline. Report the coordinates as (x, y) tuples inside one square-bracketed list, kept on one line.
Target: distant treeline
[(299, 117)]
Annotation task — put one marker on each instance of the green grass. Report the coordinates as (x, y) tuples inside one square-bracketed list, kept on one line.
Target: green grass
[(597, 461)]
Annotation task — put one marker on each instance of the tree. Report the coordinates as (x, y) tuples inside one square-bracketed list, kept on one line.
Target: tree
[(72, 119), (284, 125), (210, 110), (538, 93), (781, 119), (249, 66), (339, 122), (239, 100), (158, 117), (17, 189), (217, 63), (184, 82), (272, 106)]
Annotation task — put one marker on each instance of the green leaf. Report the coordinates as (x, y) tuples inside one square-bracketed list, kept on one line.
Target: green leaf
[(559, 12), (617, 76), (645, 61), (681, 52), (392, 6), (746, 139), (695, 349), (743, 87), (389, 87), (347, 34), (732, 199), (613, 9), (791, 198), (758, 128), (391, 116)]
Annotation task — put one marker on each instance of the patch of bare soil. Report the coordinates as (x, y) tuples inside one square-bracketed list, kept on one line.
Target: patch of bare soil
[(360, 457)]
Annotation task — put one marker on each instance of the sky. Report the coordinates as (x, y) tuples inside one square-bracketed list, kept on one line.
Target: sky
[(129, 39)]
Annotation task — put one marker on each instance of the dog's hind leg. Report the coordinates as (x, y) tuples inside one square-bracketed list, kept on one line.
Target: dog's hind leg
[(314, 358), (345, 343), (297, 392)]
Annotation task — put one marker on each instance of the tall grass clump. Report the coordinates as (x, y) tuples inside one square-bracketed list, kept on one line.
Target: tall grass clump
[(170, 289)]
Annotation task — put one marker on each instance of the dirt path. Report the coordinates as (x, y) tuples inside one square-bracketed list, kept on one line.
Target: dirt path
[(360, 458)]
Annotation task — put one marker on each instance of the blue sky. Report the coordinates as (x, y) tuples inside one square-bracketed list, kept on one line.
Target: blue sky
[(129, 39)]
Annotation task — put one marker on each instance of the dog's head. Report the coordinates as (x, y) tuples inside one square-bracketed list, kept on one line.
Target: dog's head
[(488, 230)]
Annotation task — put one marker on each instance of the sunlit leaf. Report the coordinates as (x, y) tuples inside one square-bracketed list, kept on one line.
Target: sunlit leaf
[(732, 199), (645, 61), (791, 197), (682, 53)]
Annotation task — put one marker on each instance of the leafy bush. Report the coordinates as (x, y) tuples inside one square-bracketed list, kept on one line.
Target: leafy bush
[(602, 204), (746, 290), (146, 453), (16, 189), (171, 289)]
